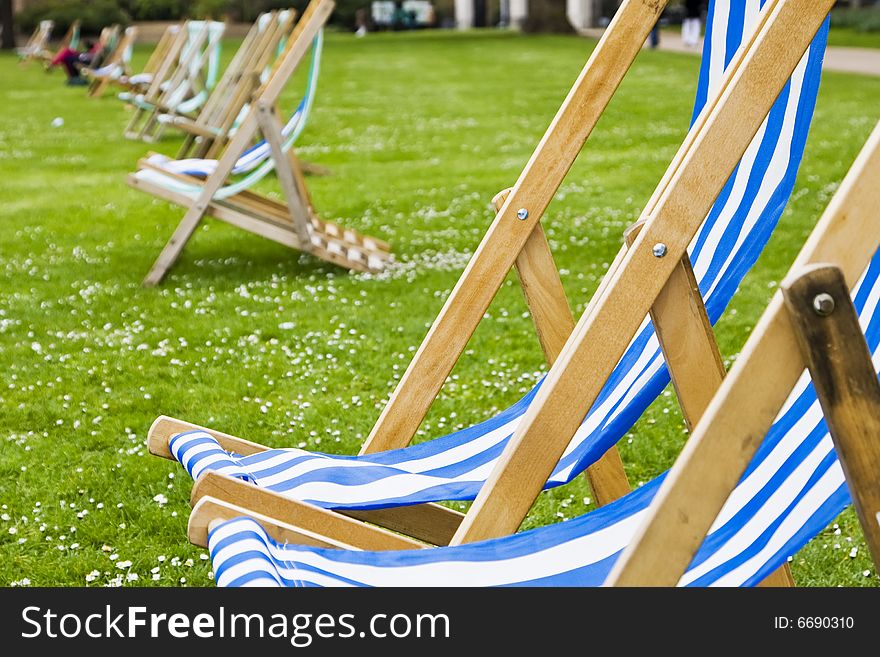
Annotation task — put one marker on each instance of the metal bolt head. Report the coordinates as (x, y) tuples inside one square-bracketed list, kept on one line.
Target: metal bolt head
[(522, 214), (659, 250), (823, 304)]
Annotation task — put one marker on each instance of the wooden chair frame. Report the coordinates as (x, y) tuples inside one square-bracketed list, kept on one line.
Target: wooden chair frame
[(810, 323), (637, 283), (117, 58), (144, 124), (294, 224)]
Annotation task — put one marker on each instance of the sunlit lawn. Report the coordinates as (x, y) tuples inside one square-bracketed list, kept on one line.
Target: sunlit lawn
[(420, 132)]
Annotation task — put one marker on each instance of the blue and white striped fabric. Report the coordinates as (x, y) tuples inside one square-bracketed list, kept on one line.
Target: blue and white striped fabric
[(454, 467), (792, 489)]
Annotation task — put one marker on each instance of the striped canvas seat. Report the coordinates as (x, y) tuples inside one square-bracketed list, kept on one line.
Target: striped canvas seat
[(793, 488), (454, 467)]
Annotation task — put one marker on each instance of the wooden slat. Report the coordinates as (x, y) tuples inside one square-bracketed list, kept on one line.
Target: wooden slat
[(326, 524), (497, 252), (602, 336), (834, 349), (210, 511), (686, 338), (430, 523), (724, 442), (297, 208)]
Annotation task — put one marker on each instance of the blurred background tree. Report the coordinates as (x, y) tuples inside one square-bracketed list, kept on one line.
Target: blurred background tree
[(7, 39)]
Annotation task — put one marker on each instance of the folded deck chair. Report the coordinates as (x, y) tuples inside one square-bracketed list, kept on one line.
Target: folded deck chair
[(228, 103), (37, 43), (293, 224), (116, 64), (187, 88), (455, 467), (71, 40), (776, 494)]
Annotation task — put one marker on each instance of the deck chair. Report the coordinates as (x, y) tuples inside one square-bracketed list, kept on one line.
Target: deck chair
[(161, 66), (140, 82), (392, 488), (37, 43), (293, 224), (763, 473), (227, 105), (116, 65), (187, 87), (71, 40)]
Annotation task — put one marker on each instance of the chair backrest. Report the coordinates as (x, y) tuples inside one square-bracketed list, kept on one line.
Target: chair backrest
[(188, 88), (236, 85)]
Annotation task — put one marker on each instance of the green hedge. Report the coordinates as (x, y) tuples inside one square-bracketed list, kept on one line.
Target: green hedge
[(93, 14), (866, 19)]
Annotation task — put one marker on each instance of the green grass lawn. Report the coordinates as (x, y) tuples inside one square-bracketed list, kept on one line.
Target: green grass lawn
[(420, 132), (839, 36)]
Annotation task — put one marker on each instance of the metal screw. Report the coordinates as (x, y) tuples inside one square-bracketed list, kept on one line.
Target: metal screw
[(823, 304), (659, 250), (522, 214)]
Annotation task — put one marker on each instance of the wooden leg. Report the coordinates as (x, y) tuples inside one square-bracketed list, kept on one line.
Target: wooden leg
[(175, 245), (298, 208), (827, 328)]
